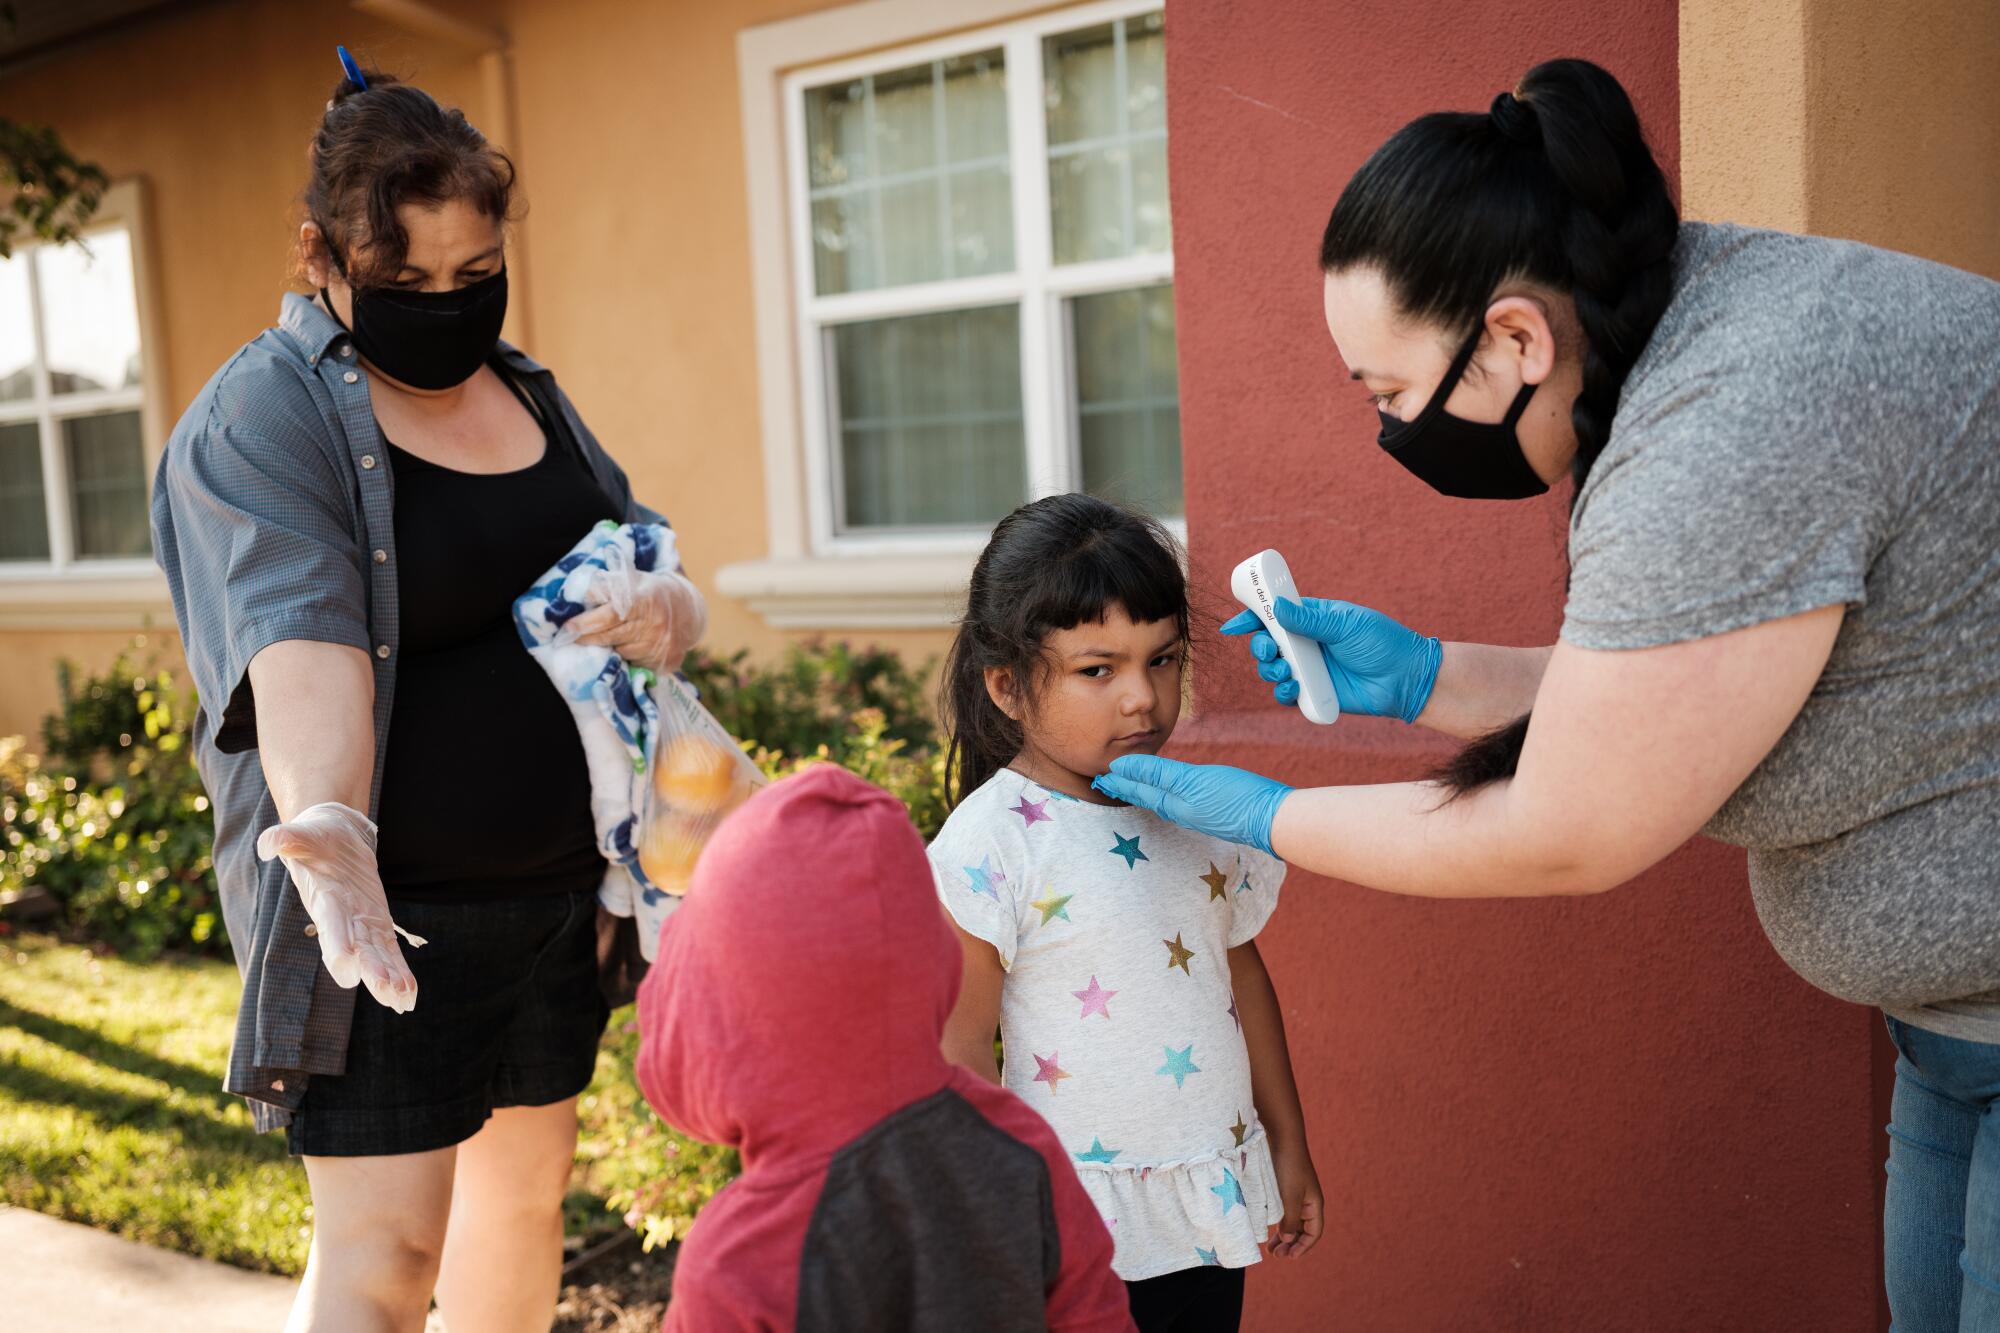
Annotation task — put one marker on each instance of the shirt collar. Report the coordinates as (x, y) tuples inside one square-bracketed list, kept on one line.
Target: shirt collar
[(308, 325)]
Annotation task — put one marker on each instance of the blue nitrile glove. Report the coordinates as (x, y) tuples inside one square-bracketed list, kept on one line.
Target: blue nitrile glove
[(1379, 668), (1208, 798)]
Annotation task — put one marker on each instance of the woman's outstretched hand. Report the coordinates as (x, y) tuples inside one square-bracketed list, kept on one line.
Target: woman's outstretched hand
[(1209, 798), (330, 851), (1379, 667)]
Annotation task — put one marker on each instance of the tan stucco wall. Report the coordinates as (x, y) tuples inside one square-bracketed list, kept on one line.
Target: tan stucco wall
[(1877, 122), (635, 268)]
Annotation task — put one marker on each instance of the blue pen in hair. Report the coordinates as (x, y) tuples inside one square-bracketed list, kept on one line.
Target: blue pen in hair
[(353, 70)]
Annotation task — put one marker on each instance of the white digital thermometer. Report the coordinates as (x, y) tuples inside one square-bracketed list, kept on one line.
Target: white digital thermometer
[(1258, 583)]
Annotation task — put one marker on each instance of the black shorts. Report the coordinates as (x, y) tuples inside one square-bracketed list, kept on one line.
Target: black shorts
[(508, 1014)]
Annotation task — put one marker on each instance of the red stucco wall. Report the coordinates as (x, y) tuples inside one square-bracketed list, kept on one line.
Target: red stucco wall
[(1613, 1113)]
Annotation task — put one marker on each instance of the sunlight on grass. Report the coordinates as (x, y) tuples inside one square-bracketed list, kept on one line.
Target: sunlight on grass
[(112, 1111)]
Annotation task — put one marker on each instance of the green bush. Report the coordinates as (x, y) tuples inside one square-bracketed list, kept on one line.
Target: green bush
[(809, 700), (112, 820)]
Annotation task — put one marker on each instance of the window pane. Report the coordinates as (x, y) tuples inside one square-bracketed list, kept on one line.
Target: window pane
[(908, 175), (1081, 84), (1106, 93), (17, 334), (906, 122), (975, 101), (90, 316), (107, 480), (912, 232), (1128, 397), (1146, 74), (930, 419), (1087, 205), (24, 521)]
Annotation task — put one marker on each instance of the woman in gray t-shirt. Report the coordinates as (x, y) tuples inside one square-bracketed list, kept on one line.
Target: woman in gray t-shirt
[(1783, 625)]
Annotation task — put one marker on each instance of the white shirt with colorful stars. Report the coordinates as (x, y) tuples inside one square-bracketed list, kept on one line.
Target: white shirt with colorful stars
[(1117, 1016)]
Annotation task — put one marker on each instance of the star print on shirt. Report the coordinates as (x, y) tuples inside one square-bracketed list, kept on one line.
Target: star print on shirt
[(1239, 1129), (1030, 811), (1053, 906), (1234, 1017), (985, 879), (1230, 1191), (1178, 954), (1099, 1153), (1179, 1063), (1096, 999), (1049, 1074), (1218, 883), (1207, 1257), (1129, 849)]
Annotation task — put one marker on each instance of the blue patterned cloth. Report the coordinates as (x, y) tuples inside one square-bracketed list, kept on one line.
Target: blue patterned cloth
[(617, 715)]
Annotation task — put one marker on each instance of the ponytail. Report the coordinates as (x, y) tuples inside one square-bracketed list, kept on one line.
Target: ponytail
[(1554, 185)]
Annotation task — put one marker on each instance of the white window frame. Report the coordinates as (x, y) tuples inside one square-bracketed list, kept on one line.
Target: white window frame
[(815, 576), (65, 591)]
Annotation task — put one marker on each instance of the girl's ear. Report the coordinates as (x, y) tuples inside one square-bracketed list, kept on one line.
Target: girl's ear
[(1000, 689)]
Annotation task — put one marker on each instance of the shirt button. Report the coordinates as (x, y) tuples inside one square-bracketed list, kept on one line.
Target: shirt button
[(350, 377), (313, 360), (382, 651), (381, 557), (367, 462), (311, 931)]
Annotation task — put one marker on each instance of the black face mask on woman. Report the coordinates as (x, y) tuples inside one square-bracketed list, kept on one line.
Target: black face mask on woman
[(1470, 460), (427, 340)]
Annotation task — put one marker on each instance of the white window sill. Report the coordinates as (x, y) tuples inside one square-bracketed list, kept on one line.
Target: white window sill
[(853, 592), (125, 595)]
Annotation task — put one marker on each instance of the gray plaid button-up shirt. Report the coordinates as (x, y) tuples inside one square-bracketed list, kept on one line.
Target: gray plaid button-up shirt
[(273, 517)]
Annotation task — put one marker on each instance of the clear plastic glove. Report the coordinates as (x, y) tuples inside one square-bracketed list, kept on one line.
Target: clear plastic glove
[(649, 618), (1379, 668), (1215, 799), (330, 851)]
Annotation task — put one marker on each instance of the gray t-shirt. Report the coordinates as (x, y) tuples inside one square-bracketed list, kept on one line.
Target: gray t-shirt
[(1818, 422)]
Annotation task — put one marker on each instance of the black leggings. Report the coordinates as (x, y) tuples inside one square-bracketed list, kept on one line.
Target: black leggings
[(1195, 1300)]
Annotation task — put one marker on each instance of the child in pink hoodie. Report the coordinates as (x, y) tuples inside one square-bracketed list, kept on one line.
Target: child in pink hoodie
[(795, 1011)]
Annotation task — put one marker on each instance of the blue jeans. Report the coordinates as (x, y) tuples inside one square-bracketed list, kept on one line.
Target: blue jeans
[(1941, 1218)]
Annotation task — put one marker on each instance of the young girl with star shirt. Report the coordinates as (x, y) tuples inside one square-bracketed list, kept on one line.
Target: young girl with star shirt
[(1114, 951)]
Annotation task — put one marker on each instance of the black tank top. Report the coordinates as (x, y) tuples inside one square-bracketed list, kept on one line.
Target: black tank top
[(485, 793)]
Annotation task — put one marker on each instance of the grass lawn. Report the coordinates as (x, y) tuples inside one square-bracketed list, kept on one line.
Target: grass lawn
[(112, 1111)]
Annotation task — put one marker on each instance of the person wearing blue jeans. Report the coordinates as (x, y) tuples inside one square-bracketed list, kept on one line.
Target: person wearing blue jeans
[(1941, 1218)]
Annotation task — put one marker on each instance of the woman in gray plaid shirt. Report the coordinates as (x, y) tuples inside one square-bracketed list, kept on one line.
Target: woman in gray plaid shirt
[(345, 515)]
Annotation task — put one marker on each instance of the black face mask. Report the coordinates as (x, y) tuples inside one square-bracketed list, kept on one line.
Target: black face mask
[(427, 340), (1471, 460)]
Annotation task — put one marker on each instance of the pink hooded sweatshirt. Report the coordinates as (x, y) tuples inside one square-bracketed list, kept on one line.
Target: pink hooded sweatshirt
[(795, 1011)]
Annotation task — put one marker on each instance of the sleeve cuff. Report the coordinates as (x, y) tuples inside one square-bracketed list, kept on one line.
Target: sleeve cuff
[(1706, 621)]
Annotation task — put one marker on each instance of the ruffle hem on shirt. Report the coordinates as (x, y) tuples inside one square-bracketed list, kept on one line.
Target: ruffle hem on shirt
[(1177, 1215)]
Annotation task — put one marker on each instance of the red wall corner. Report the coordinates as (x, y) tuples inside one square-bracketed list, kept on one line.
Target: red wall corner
[(1620, 1112)]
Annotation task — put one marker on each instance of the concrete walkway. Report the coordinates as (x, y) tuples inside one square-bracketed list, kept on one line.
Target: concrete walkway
[(58, 1277)]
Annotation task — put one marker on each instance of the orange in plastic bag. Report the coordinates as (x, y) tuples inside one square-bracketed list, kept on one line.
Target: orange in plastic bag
[(699, 774)]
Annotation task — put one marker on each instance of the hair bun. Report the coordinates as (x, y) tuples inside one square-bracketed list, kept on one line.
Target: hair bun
[(1517, 120)]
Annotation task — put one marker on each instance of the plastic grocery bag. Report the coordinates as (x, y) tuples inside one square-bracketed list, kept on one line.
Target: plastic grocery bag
[(698, 775)]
